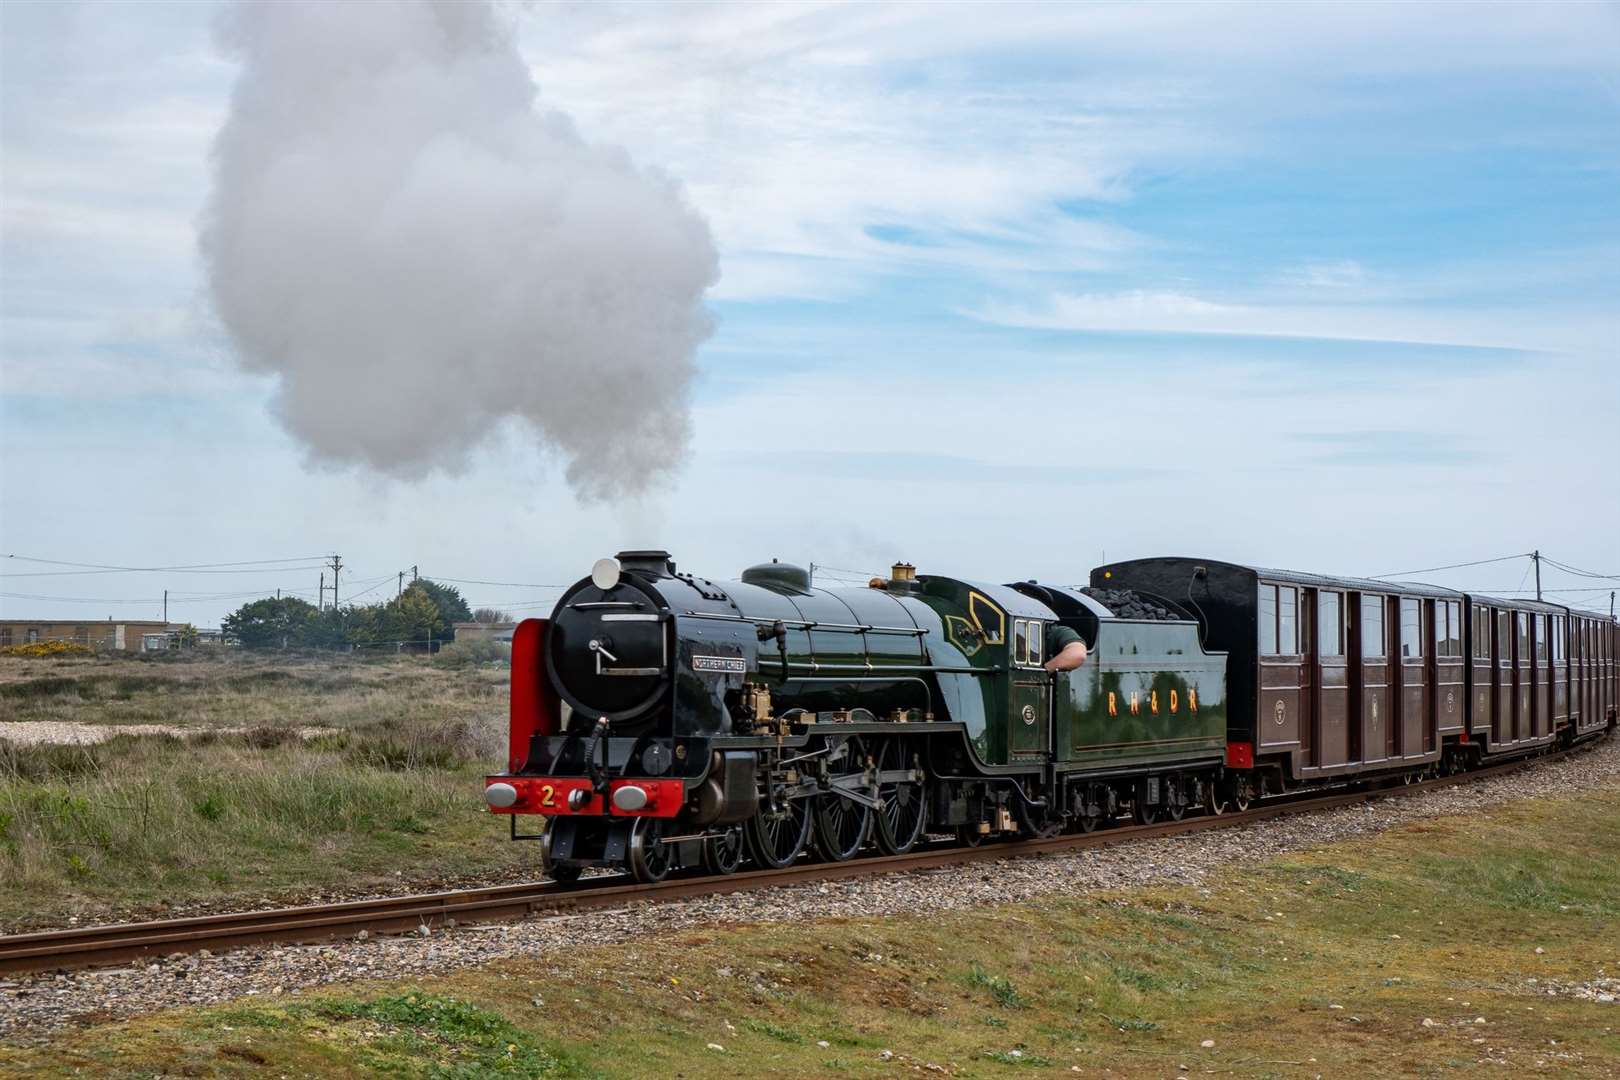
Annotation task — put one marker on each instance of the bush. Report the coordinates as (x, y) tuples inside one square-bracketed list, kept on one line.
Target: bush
[(47, 649), (419, 745), (460, 654)]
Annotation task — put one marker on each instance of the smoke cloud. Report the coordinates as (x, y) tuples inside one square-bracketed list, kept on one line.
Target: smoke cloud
[(420, 252)]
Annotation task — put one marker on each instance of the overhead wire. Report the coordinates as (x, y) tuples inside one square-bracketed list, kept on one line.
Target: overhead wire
[(476, 581), (1579, 572), (257, 566), (1454, 566)]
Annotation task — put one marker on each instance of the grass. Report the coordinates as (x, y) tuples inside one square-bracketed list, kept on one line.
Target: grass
[(203, 688), (239, 806), (1321, 963)]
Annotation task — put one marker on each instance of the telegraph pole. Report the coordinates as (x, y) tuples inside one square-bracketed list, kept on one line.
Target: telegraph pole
[(320, 596), (1536, 555), (337, 564), (165, 606), (400, 591)]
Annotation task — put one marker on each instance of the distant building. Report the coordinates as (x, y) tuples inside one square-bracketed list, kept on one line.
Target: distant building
[(484, 631), (130, 635), (174, 638)]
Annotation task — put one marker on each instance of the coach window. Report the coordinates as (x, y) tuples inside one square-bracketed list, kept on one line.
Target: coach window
[(1482, 633), (1411, 628), (1373, 641), (1524, 636), (1558, 639), (1330, 623), (1541, 637), (1268, 620), (1448, 628), (1288, 620)]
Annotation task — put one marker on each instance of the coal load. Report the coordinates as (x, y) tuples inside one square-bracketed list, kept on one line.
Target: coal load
[(1129, 604)]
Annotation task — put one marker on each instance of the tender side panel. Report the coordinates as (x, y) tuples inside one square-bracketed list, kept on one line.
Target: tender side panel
[(1148, 696)]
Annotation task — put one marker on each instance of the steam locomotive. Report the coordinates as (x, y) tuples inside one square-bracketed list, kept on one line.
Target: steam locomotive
[(661, 720)]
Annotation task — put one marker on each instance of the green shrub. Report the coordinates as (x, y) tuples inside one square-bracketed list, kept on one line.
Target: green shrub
[(210, 808), (460, 654), (1002, 991)]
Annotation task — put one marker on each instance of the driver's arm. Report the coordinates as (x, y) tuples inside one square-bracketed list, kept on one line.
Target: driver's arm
[(1068, 658)]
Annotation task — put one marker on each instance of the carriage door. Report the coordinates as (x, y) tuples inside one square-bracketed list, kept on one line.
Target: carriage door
[(1503, 707), (1521, 676), (1479, 657), (1372, 639), (1309, 737), (1332, 681), (1414, 671), (1031, 719)]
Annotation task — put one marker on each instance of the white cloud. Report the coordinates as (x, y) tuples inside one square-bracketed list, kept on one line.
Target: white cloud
[(1161, 312)]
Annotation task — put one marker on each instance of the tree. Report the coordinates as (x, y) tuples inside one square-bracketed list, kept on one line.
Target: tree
[(274, 622), (491, 615), (451, 605), (418, 614)]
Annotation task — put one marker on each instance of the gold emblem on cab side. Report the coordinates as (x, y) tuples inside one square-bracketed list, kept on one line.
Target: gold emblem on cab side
[(1280, 712)]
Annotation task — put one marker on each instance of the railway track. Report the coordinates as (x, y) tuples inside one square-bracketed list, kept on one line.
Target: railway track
[(102, 946)]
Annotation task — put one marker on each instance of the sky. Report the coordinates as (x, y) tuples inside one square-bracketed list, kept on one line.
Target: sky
[(1004, 291)]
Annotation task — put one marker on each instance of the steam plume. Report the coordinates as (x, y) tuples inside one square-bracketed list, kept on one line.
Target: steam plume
[(419, 252)]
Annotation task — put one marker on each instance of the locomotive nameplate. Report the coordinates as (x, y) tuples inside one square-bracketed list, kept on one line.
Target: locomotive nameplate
[(731, 665)]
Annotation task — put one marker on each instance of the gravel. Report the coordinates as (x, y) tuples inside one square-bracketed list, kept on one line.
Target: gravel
[(32, 1006)]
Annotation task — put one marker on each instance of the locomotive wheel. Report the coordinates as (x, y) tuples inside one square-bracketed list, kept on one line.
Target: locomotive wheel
[(723, 854), (1038, 823), (900, 822), (650, 857), (775, 842), (1144, 813), (841, 825), (1174, 808), (1242, 794), (1088, 821), (969, 835), (562, 875), (1215, 801)]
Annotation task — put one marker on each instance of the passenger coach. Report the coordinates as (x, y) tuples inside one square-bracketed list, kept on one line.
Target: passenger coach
[(1335, 677)]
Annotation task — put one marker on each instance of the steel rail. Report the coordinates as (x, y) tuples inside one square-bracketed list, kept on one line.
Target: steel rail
[(101, 946)]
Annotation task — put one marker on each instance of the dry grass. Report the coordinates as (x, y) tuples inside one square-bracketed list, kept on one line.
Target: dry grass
[(387, 791), (1321, 964), (232, 688)]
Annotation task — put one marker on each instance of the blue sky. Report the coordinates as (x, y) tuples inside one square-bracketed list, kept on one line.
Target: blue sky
[(1003, 290)]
